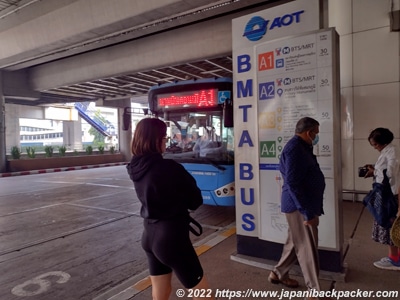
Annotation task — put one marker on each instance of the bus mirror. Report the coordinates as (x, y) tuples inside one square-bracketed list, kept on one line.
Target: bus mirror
[(126, 119), (228, 113)]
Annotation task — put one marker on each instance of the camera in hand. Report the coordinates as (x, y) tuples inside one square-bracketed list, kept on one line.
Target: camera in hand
[(362, 171)]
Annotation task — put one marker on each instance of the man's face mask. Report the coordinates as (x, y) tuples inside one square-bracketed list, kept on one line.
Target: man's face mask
[(315, 140)]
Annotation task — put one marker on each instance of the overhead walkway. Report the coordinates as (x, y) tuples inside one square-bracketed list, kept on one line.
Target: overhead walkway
[(92, 117)]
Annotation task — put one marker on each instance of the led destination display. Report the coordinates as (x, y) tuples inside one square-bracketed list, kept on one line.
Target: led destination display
[(200, 98)]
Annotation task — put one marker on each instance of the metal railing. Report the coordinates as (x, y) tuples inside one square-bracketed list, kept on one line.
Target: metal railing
[(354, 193)]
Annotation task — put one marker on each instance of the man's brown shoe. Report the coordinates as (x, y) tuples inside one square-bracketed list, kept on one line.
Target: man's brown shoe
[(288, 282)]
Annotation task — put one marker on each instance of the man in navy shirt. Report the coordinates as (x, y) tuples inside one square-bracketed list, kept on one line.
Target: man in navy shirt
[(302, 197)]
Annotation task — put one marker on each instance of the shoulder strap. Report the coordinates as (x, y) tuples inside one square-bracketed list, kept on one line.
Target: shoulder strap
[(193, 230)]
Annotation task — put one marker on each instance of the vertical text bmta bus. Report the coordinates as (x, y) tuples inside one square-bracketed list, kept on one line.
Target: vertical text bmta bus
[(199, 115)]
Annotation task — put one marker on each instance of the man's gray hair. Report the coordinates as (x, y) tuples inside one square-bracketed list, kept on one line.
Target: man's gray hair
[(306, 124)]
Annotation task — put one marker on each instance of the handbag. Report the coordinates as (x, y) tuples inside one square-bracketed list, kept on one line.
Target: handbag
[(381, 203), (395, 232)]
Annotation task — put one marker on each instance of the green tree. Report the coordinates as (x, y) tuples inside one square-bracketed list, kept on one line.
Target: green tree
[(98, 137)]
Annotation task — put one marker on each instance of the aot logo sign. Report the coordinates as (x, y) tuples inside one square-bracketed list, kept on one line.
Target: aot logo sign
[(257, 27)]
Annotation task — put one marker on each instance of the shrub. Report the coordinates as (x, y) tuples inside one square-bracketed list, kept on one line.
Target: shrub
[(49, 151), (89, 150), (112, 149), (62, 149), (15, 152), (101, 149), (31, 152)]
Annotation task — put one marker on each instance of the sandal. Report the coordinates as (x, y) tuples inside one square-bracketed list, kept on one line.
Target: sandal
[(288, 282)]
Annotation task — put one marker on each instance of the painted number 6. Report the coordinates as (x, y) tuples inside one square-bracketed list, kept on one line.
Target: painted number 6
[(41, 282)]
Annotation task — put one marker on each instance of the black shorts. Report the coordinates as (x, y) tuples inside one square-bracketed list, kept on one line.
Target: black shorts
[(169, 248)]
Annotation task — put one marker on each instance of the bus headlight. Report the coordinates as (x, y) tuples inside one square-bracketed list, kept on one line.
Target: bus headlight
[(226, 190)]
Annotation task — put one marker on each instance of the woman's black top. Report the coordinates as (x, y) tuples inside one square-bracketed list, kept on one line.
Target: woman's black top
[(165, 189)]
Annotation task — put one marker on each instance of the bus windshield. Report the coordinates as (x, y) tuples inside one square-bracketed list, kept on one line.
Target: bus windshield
[(199, 116), (199, 137)]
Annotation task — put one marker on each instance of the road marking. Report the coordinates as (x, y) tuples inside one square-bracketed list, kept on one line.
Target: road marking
[(41, 283), (143, 284)]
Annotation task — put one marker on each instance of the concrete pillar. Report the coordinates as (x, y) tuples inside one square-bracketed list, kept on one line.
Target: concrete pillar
[(12, 126), (3, 157), (124, 136), (72, 134)]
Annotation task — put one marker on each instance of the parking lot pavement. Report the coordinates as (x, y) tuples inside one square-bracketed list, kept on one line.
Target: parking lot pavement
[(75, 235)]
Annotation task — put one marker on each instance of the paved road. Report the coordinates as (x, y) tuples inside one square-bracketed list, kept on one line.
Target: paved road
[(76, 234)]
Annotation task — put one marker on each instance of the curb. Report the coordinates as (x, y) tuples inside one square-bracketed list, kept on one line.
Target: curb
[(43, 171)]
